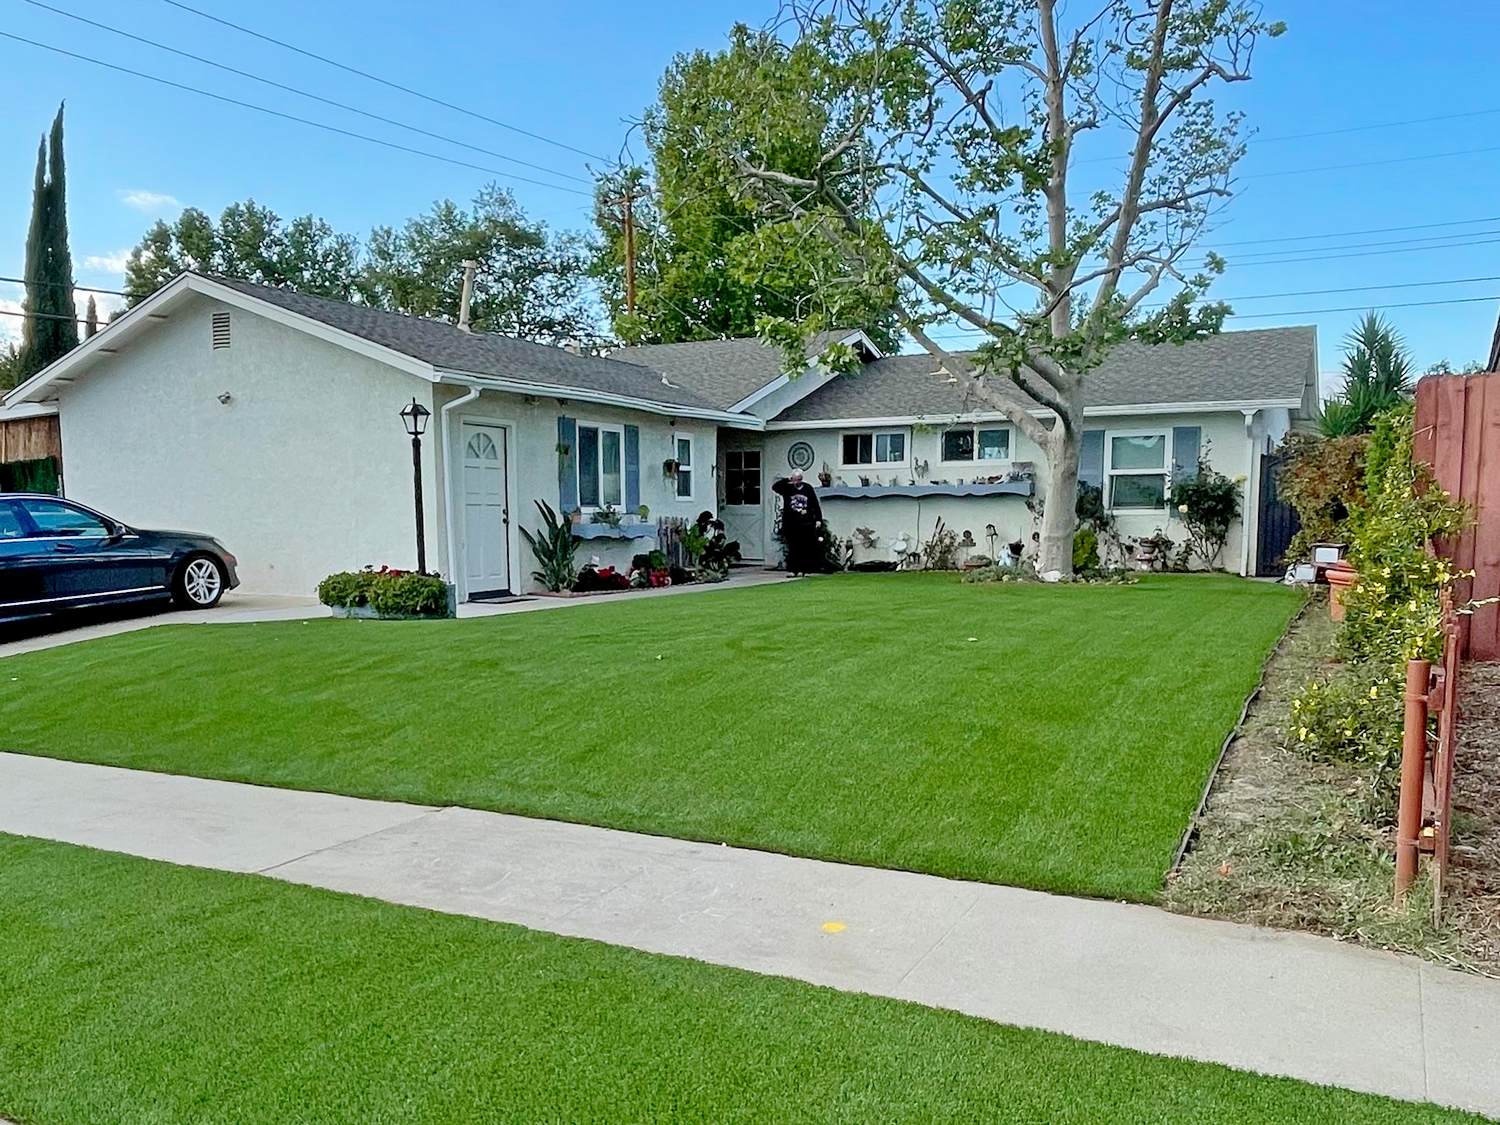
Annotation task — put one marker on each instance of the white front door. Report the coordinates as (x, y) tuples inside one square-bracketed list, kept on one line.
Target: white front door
[(743, 510), (486, 514)]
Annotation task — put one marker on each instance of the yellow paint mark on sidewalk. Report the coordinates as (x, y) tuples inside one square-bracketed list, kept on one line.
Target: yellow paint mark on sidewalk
[(834, 927)]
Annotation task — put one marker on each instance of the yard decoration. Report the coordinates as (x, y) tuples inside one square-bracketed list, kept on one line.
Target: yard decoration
[(554, 546)]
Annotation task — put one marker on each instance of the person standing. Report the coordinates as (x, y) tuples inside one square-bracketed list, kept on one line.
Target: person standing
[(801, 524)]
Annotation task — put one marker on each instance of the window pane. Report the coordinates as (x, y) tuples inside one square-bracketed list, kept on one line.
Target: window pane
[(52, 518), (994, 445), (1145, 491), (958, 445), (890, 447), (684, 451), (859, 449), (1146, 452), (10, 522), (588, 467), (685, 484), (752, 459), (609, 468)]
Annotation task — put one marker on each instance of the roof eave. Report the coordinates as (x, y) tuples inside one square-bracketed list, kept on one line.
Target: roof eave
[(1239, 406), (602, 398)]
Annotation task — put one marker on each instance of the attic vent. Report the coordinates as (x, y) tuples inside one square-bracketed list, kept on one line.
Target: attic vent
[(220, 330)]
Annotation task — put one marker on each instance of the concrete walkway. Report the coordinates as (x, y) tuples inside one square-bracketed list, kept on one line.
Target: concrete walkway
[(1135, 976)]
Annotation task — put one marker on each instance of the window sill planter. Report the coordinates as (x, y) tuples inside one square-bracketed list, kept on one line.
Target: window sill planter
[(921, 491), (624, 531)]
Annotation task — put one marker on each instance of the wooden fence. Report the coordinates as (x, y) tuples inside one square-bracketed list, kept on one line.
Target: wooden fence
[(1458, 433), (29, 439)]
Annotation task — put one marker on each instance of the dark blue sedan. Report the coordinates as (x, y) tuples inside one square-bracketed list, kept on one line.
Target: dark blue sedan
[(56, 555)]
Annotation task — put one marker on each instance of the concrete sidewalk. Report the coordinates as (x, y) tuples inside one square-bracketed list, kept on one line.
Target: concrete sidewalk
[(1135, 976)]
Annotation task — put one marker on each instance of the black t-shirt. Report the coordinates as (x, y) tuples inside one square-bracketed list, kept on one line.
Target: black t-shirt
[(799, 503)]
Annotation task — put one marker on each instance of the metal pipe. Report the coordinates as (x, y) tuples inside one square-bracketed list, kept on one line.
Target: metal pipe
[(465, 296), (1413, 763)]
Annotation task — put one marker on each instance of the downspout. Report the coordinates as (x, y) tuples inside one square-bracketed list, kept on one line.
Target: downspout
[(452, 543), (1252, 491)]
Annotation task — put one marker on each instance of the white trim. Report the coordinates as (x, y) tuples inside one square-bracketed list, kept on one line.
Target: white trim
[(602, 427), (875, 436), (27, 410), (692, 466), (1139, 410), (598, 398), (1110, 472), (785, 378), (974, 428)]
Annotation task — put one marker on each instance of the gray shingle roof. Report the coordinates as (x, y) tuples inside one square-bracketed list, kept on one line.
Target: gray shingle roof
[(1265, 363), (722, 371), (478, 353)]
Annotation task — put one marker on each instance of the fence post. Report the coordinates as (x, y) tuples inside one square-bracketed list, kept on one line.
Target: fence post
[(1413, 763)]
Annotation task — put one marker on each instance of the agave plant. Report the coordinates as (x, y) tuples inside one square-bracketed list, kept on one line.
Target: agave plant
[(553, 547)]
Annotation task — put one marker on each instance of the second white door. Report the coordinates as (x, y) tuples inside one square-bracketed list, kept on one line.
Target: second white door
[(486, 513)]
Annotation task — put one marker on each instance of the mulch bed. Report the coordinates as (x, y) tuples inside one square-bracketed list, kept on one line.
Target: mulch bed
[(1473, 892)]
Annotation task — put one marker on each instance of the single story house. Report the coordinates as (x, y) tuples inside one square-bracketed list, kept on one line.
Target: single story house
[(270, 419)]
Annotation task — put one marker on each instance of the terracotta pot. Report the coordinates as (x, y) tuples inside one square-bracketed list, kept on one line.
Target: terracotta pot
[(1340, 577)]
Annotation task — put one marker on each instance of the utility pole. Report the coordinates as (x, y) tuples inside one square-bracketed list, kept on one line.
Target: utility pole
[(629, 204)]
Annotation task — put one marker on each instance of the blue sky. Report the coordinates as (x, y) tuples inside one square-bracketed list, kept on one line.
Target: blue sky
[(576, 71)]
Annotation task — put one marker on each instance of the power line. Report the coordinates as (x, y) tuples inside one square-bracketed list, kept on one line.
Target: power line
[(308, 94), (1370, 163), (1367, 253), (1362, 308), (293, 117), (386, 82), (60, 285), (1435, 240), (43, 316), (1356, 233)]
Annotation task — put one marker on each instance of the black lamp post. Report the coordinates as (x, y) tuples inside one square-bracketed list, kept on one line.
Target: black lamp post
[(414, 417)]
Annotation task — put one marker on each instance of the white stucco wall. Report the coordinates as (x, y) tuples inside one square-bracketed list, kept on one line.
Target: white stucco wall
[(1229, 447), (305, 471), (531, 429)]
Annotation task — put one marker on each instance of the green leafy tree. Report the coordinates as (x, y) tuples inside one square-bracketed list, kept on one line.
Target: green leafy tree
[(709, 263), (1377, 378), (947, 172), (51, 328), (249, 242), (531, 283)]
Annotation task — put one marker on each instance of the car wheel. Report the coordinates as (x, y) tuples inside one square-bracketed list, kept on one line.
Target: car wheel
[(199, 583)]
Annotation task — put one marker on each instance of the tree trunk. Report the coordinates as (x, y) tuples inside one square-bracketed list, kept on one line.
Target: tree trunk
[(1060, 510)]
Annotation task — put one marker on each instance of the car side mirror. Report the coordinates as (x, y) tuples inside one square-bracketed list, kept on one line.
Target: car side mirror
[(115, 531)]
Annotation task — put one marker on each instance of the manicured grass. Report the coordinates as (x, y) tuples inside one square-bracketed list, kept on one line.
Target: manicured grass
[(142, 992), (1049, 737)]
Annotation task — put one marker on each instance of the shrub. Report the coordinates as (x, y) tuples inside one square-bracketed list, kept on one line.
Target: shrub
[(1208, 503), (1085, 549), (1323, 478), (554, 547), (391, 593), (593, 579)]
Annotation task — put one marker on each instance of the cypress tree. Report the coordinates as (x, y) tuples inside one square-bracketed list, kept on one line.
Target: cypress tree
[(91, 319), (53, 329)]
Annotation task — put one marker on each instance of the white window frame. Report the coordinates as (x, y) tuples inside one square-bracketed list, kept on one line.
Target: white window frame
[(974, 428), (1110, 472), (602, 427), (875, 436), (691, 466)]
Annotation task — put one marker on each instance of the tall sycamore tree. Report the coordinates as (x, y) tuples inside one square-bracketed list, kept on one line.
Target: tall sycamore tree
[(51, 327), (949, 172)]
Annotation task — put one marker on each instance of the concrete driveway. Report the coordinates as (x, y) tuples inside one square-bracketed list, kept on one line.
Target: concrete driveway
[(235, 607)]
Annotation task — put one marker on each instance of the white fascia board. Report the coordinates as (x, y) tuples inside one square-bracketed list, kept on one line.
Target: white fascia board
[(602, 398), (27, 410), (105, 341), (153, 310), (782, 380), (1138, 410), (313, 327)]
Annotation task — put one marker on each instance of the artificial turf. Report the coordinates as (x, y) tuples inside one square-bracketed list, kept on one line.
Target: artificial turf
[(1051, 737), (142, 992)]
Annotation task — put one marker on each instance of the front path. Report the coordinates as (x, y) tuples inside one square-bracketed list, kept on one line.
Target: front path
[(1135, 976)]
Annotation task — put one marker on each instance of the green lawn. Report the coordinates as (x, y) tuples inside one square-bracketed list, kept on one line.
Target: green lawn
[(142, 992), (1053, 737)]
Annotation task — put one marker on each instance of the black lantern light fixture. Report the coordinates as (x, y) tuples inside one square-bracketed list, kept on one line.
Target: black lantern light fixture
[(414, 418)]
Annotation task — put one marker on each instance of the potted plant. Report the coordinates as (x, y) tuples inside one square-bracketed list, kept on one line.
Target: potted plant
[(825, 476), (644, 512), (669, 468), (608, 515)]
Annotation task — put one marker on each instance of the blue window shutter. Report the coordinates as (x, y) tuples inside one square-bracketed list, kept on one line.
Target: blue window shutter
[(567, 464), (1186, 442), (1091, 459), (632, 468)]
